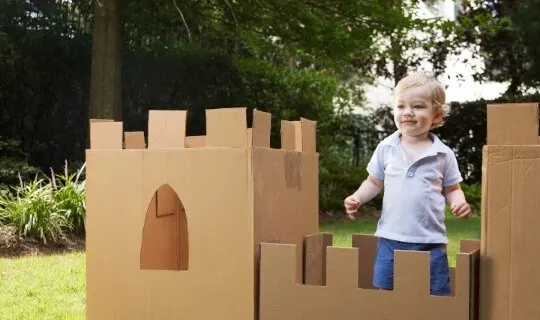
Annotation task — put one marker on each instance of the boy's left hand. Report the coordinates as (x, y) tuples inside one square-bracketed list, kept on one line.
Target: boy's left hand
[(461, 210)]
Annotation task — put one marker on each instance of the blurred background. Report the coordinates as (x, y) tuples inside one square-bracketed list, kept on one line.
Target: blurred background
[(63, 62)]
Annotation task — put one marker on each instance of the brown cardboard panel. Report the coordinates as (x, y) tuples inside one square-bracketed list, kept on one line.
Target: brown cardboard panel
[(195, 142), (367, 248), (134, 140), (288, 214), (219, 283), (496, 232), (411, 272), (167, 201), (261, 129), (288, 141), (291, 135), (308, 134), (342, 268), (469, 246), (283, 298), (106, 135), (315, 258), (512, 124), (509, 266), (226, 127), (166, 129), (524, 239)]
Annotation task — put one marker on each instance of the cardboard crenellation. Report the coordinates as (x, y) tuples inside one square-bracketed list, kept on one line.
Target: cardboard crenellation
[(512, 124), (225, 128), (106, 134), (282, 290), (341, 267), (134, 140)]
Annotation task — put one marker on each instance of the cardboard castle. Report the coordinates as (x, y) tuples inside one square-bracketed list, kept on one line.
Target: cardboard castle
[(224, 227)]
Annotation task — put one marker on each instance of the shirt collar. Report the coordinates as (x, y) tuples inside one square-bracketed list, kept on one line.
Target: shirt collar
[(437, 147)]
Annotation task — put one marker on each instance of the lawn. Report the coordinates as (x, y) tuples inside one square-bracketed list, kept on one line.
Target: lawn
[(43, 287), (53, 286)]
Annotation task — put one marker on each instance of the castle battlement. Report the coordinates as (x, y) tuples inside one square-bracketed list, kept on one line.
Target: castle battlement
[(224, 128), (337, 283)]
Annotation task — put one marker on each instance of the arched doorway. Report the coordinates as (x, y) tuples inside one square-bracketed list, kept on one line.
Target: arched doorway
[(165, 243)]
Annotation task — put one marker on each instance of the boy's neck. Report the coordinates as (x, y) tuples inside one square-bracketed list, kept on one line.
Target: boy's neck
[(418, 139)]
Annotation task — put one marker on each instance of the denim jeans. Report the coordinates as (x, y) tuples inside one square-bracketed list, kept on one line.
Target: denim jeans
[(383, 273)]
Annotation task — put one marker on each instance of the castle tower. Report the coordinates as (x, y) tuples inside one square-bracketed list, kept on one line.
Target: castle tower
[(510, 254), (173, 230)]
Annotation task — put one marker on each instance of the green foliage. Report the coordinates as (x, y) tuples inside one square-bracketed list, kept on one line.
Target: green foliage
[(338, 178), (503, 33), (45, 209), (69, 193), (473, 194), (14, 162), (32, 209)]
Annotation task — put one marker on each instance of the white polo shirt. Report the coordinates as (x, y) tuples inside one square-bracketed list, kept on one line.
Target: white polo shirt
[(413, 203)]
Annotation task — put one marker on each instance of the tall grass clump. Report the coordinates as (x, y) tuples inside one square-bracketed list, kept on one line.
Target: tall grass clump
[(46, 208)]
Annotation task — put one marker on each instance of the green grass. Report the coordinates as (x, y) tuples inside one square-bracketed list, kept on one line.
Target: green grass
[(457, 229), (43, 287)]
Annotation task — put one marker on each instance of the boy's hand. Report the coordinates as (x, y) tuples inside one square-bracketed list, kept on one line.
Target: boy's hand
[(351, 206), (461, 210)]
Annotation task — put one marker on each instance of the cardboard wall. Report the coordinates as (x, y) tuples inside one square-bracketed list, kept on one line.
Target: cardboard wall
[(283, 296), (510, 239), (219, 281), (510, 244)]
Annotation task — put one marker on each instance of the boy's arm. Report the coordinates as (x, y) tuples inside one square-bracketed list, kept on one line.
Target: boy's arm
[(456, 199), (368, 190)]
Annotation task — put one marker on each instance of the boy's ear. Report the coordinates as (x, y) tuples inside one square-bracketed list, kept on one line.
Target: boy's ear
[(438, 116)]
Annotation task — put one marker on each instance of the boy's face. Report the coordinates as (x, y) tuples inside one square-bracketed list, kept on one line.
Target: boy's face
[(414, 112)]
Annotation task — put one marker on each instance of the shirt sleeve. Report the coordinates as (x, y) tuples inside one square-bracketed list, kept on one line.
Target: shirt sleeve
[(452, 175), (375, 166)]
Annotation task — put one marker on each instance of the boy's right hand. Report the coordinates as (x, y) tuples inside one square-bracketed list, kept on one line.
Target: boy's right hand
[(351, 206)]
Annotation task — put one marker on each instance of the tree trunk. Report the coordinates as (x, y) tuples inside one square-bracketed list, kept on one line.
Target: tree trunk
[(105, 85)]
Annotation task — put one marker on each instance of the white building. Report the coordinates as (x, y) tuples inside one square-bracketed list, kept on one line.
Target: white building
[(457, 78)]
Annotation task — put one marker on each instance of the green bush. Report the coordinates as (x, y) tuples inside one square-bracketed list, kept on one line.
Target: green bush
[(69, 195), (339, 178), (33, 211), (14, 162), (45, 209), (473, 194)]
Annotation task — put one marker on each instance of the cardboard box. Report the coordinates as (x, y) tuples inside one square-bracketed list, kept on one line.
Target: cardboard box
[(173, 231), (510, 246), (337, 283)]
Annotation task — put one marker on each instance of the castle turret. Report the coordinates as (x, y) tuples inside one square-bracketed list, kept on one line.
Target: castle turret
[(173, 228)]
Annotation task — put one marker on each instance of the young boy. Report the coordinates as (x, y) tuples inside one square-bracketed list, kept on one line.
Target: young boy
[(419, 173)]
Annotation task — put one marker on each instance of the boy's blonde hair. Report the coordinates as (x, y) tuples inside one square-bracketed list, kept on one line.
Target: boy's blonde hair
[(438, 96)]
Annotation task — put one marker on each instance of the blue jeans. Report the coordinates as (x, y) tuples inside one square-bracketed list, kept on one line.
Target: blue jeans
[(383, 273)]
